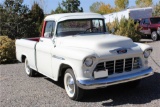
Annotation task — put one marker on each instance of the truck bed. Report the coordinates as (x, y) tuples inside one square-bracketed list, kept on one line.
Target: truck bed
[(27, 47)]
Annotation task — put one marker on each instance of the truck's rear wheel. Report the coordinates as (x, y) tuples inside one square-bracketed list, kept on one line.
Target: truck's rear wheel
[(154, 36), (30, 72), (73, 91)]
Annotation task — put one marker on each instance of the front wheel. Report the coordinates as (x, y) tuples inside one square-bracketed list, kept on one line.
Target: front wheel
[(154, 36), (73, 91), (30, 72)]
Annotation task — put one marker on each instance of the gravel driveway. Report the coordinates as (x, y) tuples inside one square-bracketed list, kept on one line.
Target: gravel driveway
[(19, 90)]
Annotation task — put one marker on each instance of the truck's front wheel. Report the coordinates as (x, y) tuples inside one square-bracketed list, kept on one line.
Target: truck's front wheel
[(30, 72), (154, 36), (73, 91)]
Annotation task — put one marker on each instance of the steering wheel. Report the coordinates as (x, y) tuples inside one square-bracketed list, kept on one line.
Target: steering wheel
[(91, 28)]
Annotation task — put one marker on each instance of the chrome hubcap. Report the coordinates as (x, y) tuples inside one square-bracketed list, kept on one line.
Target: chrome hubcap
[(69, 85), (154, 36), (27, 67)]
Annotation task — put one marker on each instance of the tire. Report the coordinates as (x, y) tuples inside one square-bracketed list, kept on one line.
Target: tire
[(132, 84), (30, 72), (154, 36), (72, 90)]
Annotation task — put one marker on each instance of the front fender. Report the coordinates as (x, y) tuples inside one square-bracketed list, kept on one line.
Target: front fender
[(144, 46), (73, 57)]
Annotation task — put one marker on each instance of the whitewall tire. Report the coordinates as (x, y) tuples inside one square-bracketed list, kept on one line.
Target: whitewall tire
[(72, 90), (30, 72)]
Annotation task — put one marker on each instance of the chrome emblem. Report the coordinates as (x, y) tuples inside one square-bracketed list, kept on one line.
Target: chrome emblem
[(121, 51)]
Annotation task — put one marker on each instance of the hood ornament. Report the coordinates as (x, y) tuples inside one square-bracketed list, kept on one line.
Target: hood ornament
[(120, 50)]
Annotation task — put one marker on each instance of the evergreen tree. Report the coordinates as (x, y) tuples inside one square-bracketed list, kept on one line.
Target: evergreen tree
[(72, 6), (37, 16), (14, 13)]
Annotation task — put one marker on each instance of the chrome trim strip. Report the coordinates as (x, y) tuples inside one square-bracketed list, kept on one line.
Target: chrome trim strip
[(114, 66), (104, 82), (54, 56), (132, 62), (124, 61)]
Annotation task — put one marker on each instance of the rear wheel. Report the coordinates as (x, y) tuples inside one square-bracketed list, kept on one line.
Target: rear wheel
[(73, 91), (30, 72), (154, 36)]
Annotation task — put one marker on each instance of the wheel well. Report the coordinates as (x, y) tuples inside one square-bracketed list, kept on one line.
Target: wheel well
[(62, 69), (23, 58), (152, 30)]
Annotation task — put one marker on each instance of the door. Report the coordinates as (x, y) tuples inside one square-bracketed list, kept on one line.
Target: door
[(145, 23), (43, 50)]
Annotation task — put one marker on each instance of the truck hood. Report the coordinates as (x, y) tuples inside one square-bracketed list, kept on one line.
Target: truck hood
[(100, 43)]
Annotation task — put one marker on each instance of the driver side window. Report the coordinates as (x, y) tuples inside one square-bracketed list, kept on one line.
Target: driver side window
[(146, 21), (49, 30)]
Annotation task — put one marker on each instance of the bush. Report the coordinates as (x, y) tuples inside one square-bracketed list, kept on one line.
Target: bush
[(7, 50), (126, 28)]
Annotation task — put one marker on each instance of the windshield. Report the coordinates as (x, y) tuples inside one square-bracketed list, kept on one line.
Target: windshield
[(73, 27), (155, 20)]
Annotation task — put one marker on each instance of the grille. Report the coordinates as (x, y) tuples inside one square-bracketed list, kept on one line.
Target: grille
[(119, 66)]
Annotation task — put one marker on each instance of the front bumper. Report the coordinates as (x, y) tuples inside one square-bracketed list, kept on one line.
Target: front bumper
[(100, 83)]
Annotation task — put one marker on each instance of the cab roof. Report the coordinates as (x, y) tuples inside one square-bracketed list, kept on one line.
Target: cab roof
[(68, 16)]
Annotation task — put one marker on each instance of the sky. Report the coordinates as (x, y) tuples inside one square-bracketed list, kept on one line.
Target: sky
[(53, 4)]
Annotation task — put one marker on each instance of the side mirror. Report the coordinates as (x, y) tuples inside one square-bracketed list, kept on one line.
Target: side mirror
[(47, 34)]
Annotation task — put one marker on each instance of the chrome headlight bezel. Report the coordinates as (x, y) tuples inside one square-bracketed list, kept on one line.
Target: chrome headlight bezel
[(88, 61), (147, 53)]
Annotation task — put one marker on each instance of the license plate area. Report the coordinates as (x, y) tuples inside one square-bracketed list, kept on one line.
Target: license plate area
[(100, 74)]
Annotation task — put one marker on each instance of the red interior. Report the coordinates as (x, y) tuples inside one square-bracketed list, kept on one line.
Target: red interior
[(42, 34), (34, 39), (43, 29)]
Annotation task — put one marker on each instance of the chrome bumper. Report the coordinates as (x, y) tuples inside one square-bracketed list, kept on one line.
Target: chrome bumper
[(99, 83)]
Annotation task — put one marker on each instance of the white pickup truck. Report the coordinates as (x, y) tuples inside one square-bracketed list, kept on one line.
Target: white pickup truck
[(77, 47)]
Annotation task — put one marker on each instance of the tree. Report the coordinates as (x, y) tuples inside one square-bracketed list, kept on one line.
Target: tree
[(157, 10), (59, 9), (17, 20), (106, 9), (14, 13), (121, 4), (125, 27), (72, 6), (37, 15), (95, 7), (143, 3), (2, 19)]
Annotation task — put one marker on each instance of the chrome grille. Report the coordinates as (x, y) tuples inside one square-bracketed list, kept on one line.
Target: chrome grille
[(119, 66)]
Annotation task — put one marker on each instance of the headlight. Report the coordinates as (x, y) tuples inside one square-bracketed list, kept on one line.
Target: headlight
[(147, 53), (89, 61)]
